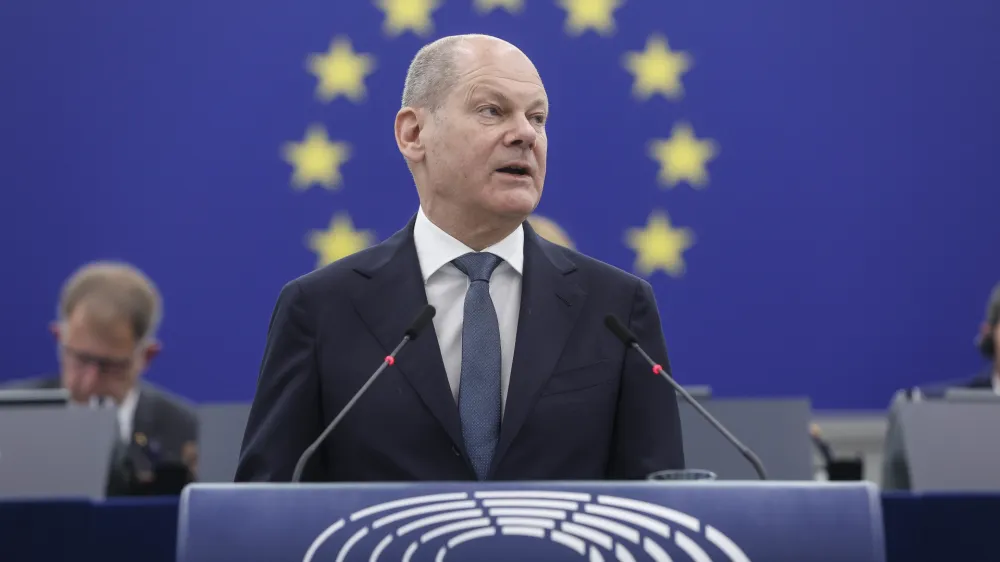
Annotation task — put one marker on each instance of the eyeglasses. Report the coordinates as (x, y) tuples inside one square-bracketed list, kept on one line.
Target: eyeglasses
[(112, 366)]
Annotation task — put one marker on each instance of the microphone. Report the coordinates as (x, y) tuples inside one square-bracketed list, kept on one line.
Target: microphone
[(417, 326), (629, 339)]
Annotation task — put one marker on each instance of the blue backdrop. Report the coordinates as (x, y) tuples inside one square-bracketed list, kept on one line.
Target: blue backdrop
[(809, 187)]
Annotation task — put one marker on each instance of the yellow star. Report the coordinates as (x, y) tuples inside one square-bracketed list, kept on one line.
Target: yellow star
[(592, 14), (340, 71), (486, 6), (549, 230), (657, 69), (682, 157), (659, 246), (340, 241), (414, 15), (316, 159)]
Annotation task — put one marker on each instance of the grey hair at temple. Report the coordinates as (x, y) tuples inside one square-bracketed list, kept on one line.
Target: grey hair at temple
[(433, 72)]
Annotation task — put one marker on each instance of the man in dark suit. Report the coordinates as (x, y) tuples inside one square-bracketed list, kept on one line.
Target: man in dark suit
[(517, 378), (106, 334), (987, 341)]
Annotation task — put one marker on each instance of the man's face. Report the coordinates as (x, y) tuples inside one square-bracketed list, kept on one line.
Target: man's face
[(486, 144), (98, 355)]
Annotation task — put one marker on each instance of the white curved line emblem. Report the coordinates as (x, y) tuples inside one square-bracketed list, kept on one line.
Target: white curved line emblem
[(378, 508), (447, 506), (596, 528)]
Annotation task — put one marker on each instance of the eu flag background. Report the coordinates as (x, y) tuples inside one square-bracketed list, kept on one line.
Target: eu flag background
[(810, 187)]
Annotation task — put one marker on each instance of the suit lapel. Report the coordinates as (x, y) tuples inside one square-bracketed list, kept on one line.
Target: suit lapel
[(550, 304), (394, 295)]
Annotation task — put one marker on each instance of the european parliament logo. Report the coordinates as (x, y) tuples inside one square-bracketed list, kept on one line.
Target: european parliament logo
[(490, 525), (344, 74)]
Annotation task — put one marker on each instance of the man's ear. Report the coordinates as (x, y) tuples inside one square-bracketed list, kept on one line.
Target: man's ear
[(152, 350), (408, 126), (189, 456), (55, 329)]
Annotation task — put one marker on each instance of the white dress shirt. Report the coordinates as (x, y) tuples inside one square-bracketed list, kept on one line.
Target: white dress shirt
[(125, 412), (446, 286)]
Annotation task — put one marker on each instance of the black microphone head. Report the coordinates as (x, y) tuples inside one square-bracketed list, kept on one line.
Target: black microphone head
[(420, 322), (619, 330)]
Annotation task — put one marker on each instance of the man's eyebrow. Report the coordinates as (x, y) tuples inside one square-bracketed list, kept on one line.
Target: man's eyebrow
[(540, 103), (490, 92)]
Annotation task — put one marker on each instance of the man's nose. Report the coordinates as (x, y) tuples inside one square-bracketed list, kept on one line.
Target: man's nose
[(87, 376), (523, 133)]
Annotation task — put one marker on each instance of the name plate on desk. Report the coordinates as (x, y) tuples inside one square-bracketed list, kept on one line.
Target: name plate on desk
[(554, 521)]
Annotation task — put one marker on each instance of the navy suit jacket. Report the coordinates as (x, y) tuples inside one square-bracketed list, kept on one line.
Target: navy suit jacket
[(578, 406)]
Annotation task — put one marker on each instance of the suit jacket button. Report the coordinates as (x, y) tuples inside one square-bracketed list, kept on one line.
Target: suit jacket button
[(455, 450)]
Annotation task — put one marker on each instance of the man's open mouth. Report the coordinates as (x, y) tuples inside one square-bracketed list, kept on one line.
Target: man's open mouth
[(513, 170)]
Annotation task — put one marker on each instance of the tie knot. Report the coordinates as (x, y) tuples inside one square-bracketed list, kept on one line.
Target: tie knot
[(478, 266)]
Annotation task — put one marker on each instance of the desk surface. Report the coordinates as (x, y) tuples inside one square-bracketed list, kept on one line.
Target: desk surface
[(927, 526)]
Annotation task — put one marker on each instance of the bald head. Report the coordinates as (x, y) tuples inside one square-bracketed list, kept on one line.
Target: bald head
[(436, 67), (472, 131)]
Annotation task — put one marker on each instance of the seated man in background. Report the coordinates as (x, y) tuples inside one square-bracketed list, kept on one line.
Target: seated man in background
[(108, 315), (986, 341), (989, 337), (895, 471)]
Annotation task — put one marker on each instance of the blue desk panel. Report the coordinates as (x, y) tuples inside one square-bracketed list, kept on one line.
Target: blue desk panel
[(917, 527), (960, 527), (73, 530)]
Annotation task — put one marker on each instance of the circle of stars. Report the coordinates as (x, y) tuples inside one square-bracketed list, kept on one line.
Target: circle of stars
[(682, 157), (340, 72), (657, 70)]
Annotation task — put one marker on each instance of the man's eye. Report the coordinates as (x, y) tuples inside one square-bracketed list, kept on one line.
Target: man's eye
[(491, 111)]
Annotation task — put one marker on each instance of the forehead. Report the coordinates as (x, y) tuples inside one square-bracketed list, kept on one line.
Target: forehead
[(96, 323), (498, 69)]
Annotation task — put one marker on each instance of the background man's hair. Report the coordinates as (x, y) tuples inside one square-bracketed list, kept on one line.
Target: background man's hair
[(433, 73), (121, 287)]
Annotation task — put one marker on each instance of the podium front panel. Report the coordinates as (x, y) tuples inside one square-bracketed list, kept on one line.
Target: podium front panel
[(555, 521)]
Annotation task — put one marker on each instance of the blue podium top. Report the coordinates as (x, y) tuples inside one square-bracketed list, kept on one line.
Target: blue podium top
[(552, 521)]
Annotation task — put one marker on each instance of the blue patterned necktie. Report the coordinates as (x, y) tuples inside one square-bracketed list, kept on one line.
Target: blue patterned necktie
[(479, 389)]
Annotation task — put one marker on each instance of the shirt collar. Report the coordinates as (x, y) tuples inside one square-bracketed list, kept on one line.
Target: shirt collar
[(128, 405), (436, 248)]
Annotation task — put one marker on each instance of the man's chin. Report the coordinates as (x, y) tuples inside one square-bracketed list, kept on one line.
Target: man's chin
[(516, 203)]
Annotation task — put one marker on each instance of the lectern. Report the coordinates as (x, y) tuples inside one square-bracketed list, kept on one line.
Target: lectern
[(551, 521)]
